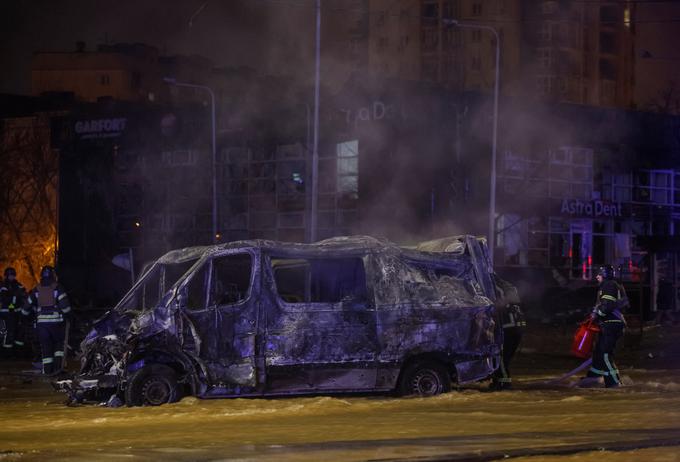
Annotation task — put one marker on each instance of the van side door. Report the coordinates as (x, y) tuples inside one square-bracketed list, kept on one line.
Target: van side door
[(321, 332)]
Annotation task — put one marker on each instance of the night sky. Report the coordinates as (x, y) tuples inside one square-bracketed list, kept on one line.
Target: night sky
[(262, 34), (228, 32)]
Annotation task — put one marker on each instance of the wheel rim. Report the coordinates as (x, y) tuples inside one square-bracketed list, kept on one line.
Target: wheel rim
[(426, 383), (156, 391)]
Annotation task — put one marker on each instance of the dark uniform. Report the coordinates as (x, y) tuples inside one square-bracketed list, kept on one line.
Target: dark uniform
[(611, 300), (12, 297), (509, 314), (50, 304)]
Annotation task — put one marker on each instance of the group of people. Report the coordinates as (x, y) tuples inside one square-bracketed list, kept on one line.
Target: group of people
[(46, 307), (608, 314)]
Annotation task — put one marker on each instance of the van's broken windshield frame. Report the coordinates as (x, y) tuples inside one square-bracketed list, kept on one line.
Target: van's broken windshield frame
[(155, 283)]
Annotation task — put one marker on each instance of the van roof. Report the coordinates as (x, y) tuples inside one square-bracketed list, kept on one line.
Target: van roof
[(452, 245)]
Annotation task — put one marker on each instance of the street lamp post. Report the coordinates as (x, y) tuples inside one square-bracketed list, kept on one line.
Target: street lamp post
[(315, 150), (492, 188), (174, 82)]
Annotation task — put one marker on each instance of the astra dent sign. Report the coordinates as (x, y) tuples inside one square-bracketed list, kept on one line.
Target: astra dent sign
[(596, 208), (100, 128)]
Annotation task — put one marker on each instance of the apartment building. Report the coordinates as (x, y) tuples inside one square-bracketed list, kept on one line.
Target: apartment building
[(571, 51)]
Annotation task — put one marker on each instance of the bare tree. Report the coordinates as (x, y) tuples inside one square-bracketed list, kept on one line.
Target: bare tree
[(28, 195), (667, 100)]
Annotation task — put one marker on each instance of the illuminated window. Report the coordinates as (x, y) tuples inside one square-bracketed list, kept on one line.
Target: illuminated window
[(348, 169)]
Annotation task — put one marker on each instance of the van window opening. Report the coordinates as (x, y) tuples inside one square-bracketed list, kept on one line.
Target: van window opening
[(231, 279), (433, 281), (228, 285), (323, 280), (154, 284)]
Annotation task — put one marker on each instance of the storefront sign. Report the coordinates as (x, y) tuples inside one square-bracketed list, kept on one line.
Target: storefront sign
[(375, 111), (100, 128), (595, 208)]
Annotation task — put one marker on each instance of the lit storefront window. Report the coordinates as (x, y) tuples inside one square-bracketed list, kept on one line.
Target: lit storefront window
[(582, 218)]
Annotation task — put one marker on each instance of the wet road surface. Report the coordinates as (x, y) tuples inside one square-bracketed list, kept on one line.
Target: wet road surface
[(640, 421)]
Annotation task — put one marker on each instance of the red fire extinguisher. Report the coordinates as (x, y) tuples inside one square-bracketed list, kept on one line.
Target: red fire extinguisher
[(582, 346)]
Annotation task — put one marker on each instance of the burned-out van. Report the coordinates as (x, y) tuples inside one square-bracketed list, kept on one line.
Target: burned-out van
[(261, 318)]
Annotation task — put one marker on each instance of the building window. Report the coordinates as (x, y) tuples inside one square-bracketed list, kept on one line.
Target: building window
[(105, 79), (403, 43), (182, 157), (545, 57), (451, 38), (380, 20), (655, 186), (477, 9), (608, 43), (430, 39), (549, 7), (545, 32), (429, 69), (354, 45), (610, 14), (476, 63), (476, 35), (562, 85), (544, 85), (430, 13), (348, 169), (607, 92), (447, 10)]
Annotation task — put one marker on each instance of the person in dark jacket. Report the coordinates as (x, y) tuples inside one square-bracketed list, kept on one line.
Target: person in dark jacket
[(509, 314), (49, 302), (12, 297), (608, 312)]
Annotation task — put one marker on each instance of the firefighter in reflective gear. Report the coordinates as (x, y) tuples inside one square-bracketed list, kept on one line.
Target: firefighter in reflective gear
[(611, 301), (12, 297), (509, 314), (50, 304)]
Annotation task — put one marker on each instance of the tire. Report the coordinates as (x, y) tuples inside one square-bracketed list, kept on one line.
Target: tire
[(424, 378), (152, 385)]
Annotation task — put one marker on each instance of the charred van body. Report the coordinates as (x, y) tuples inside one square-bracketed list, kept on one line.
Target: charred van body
[(261, 318)]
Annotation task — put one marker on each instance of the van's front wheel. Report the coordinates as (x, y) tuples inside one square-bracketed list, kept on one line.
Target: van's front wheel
[(152, 385), (425, 378)]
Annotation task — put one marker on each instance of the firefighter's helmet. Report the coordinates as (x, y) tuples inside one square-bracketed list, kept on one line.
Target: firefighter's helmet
[(606, 271), (47, 272)]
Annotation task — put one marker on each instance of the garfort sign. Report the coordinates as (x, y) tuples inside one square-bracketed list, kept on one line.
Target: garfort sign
[(594, 208), (100, 128)]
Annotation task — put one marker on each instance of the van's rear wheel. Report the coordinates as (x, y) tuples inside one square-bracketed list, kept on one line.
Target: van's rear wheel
[(424, 378), (152, 385)]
